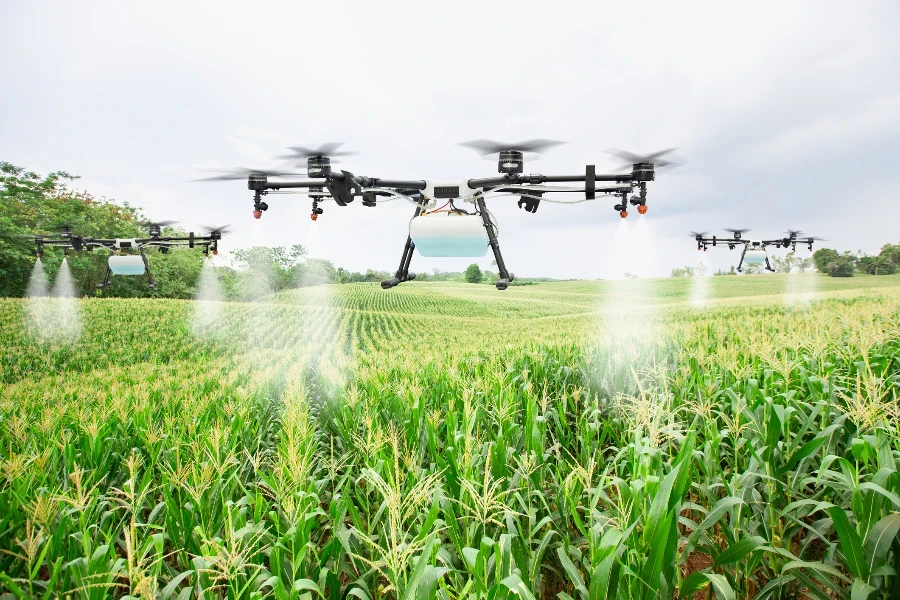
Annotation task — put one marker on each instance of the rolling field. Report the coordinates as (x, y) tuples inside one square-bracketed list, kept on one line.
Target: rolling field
[(580, 440)]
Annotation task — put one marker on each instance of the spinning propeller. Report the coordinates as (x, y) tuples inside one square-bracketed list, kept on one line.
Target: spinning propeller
[(239, 173), (737, 232), (329, 150), (796, 233), (656, 160), (318, 160), (511, 159), (485, 147), (155, 228), (216, 229)]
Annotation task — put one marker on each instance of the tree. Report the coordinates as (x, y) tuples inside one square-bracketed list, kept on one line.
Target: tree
[(892, 253), (753, 269), (316, 271), (842, 266), (473, 274), (823, 257), (786, 264), (685, 271), (876, 265), (261, 270)]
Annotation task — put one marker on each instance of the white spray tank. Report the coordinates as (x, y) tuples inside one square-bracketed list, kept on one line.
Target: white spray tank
[(449, 234), (755, 254), (128, 264)]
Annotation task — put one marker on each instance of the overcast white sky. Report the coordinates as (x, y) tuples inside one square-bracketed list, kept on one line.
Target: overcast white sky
[(788, 113)]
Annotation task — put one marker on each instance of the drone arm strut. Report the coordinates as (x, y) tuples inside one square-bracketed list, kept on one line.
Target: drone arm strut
[(283, 185), (538, 179), (374, 182)]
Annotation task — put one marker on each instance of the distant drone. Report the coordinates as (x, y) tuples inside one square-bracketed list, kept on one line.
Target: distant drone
[(457, 232), (123, 260), (754, 252)]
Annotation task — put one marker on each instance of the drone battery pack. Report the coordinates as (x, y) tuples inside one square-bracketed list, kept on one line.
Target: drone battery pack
[(129, 264), (755, 257), (449, 235)]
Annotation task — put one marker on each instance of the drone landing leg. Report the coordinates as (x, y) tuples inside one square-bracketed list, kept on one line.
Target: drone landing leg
[(768, 266), (147, 267), (741, 262), (105, 280), (403, 273), (505, 276)]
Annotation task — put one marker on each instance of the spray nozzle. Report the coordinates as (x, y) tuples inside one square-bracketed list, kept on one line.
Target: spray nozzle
[(642, 209), (623, 213)]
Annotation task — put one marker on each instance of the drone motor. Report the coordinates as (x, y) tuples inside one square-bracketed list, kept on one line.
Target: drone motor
[(511, 162), (318, 166)]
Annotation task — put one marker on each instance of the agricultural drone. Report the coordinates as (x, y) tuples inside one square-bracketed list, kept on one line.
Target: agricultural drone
[(754, 251), (449, 230), (127, 255)]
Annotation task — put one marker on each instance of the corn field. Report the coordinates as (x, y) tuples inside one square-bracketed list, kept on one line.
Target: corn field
[(448, 441)]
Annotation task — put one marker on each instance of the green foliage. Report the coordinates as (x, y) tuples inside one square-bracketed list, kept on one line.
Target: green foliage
[(686, 271), (343, 442), (877, 265), (892, 253), (473, 274), (842, 266), (886, 263), (731, 271), (823, 257), (33, 204)]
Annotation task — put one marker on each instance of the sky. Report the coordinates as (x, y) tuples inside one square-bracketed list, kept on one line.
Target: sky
[(787, 115)]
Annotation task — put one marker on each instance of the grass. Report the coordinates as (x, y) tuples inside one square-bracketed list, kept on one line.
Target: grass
[(578, 440)]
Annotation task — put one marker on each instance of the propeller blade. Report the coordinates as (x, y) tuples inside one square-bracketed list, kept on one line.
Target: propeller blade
[(160, 223), (243, 173), (737, 230), (485, 147), (20, 236), (695, 234), (329, 150), (214, 229), (656, 158)]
